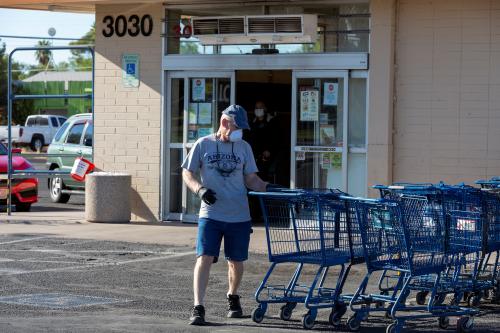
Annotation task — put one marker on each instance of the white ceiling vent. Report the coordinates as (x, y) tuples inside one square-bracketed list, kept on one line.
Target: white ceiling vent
[(262, 29), (274, 24), (211, 26)]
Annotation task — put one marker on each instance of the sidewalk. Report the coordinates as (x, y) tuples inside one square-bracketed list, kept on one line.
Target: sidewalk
[(73, 225)]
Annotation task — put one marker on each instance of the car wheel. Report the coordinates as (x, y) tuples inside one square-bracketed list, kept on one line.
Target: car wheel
[(36, 143), (23, 207), (56, 185)]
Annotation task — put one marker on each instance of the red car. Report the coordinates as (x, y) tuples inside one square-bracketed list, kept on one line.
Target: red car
[(24, 191)]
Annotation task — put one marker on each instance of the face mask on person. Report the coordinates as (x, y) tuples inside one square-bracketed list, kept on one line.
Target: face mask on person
[(236, 135), (259, 113)]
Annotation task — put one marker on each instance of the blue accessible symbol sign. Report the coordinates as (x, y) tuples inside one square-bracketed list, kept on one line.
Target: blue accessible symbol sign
[(131, 69)]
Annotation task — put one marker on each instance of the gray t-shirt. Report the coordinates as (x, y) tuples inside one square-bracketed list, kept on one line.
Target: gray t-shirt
[(222, 167)]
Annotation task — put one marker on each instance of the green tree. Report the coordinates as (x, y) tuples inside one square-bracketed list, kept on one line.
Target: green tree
[(62, 66), (44, 56), (189, 48), (311, 48), (21, 108), (82, 60)]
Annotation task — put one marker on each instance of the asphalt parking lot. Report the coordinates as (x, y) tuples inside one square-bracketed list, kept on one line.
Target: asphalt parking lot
[(58, 283), (52, 284)]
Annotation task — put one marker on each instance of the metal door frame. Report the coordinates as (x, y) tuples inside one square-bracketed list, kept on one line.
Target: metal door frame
[(165, 183), (315, 74)]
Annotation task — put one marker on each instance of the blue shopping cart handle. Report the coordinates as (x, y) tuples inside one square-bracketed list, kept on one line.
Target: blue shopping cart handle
[(402, 186), (487, 182), (281, 193), (349, 198)]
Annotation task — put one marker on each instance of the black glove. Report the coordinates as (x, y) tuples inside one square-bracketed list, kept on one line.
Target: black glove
[(207, 195), (273, 187)]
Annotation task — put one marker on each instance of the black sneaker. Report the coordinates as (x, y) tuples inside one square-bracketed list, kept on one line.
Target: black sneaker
[(234, 308), (197, 315)]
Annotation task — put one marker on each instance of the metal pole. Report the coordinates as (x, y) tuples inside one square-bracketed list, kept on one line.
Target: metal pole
[(92, 100), (9, 135)]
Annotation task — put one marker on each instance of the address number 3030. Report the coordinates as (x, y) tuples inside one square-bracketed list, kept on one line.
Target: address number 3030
[(134, 25)]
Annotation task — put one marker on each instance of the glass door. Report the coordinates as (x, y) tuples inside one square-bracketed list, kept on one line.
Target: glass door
[(319, 129), (195, 101)]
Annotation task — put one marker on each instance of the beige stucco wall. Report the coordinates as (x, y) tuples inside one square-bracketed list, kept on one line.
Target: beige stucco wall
[(380, 93), (127, 120), (447, 112)]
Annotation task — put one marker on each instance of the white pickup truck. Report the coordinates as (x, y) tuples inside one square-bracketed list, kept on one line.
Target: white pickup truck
[(37, 132), (17, 132)]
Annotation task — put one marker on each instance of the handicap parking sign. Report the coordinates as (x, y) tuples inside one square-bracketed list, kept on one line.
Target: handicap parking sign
[(130, 70)]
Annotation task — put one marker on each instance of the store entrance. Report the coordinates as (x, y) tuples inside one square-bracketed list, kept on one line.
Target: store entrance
[(270, 134), (316, 136)]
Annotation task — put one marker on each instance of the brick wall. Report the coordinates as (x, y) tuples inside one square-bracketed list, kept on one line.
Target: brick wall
[(380, 90), (447, 113), (127, 120)]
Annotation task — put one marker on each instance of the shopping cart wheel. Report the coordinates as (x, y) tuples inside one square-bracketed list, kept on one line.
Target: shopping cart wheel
[(336, 315), (308, 320), (286, 311), (258, 314), (444, 322), (465, 324), (353, 323), (392, 328), (421, 297), (439, 299), (473, 299), (496, 294)]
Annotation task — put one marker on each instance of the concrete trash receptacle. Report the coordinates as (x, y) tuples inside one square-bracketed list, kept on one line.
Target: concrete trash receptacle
[(107, 197)]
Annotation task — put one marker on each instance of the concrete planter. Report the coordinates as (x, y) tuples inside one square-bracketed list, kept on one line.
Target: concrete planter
[(107, 197)]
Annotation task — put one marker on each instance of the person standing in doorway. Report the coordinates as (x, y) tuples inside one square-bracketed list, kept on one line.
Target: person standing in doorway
[(262, 138), (227, 167)]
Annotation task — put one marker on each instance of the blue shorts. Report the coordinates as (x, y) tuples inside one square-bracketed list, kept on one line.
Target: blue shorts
[(236, 239)]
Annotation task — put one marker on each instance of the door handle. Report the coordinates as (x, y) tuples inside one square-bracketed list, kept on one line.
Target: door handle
[(79, 152), (61, 149)]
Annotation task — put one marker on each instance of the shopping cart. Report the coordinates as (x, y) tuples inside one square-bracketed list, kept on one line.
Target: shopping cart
[(308, 227), (492, 184), (472, 273), (491, 262), (397, 236)]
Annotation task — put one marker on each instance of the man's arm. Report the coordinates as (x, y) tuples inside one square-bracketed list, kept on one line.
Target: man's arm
[(192, 183), (253, 182)]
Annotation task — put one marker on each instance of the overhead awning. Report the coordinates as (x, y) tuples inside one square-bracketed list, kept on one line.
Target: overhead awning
[(81, 6), (75, 6)]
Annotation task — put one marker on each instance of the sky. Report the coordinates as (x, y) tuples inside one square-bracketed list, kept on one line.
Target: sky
[(36, 23)]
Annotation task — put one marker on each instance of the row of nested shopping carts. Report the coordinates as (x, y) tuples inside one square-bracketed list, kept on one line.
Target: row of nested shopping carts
[(437, 242)]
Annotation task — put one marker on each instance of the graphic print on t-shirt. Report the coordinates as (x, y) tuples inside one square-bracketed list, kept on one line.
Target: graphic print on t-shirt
[(223, 163)]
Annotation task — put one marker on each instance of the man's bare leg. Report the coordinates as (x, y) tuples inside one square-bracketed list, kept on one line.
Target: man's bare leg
[(200, 279), (234, 275)]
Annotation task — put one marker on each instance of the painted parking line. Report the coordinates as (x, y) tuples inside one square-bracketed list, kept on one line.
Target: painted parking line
[(24, 240), (96, 265)]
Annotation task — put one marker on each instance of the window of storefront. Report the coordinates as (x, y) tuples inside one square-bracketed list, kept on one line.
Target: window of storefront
[(340, 28)]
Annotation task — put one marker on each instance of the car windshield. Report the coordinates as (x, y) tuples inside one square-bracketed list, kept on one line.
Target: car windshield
[(3, 149)]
